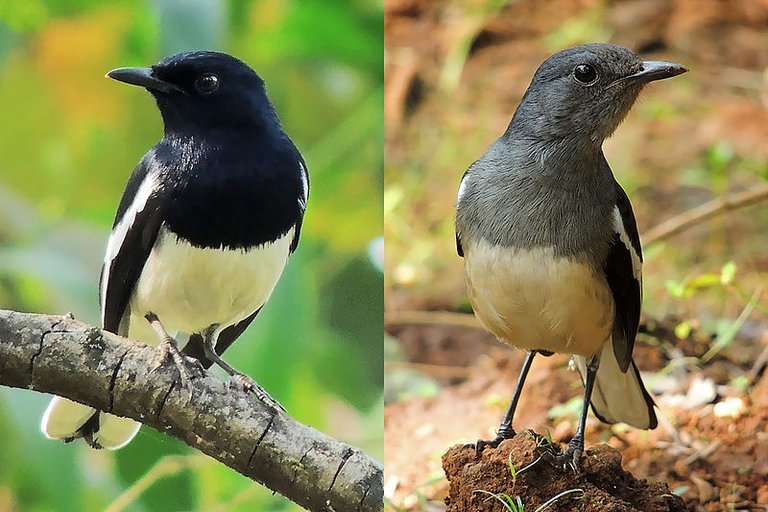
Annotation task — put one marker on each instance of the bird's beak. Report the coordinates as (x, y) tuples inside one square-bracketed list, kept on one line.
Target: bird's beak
[(655, 70), (143, 77)]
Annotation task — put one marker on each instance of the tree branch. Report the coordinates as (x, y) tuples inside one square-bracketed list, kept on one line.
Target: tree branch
[(699, 214), (60, 355)]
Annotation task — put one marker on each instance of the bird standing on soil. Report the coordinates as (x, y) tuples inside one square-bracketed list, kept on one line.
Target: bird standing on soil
[(204, 228), (552, 257)]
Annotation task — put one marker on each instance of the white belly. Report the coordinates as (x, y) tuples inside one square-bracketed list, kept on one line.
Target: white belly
[(532, 300), (190, 289)]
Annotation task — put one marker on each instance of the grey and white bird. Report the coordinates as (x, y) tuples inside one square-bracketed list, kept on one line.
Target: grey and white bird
[(552, 256)]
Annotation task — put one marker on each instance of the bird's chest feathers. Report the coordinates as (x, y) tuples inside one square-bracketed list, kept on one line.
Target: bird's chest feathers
[(573, 219), (537, 204), (235, 204), (534, 299), (190, 288)]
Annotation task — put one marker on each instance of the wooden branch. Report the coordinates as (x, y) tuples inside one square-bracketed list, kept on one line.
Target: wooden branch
[(54, 354), (699, 214)]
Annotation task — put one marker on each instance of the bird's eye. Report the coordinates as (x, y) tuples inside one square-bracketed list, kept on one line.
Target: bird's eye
[(585, 73), (207, 84)]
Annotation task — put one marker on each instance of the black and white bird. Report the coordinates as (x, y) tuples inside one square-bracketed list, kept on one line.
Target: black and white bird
[(204, 228), (552, 256)]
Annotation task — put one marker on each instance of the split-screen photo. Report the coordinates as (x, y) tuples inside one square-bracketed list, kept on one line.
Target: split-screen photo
[(383, 255)]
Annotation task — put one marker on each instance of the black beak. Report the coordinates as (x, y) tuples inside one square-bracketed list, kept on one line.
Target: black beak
[(143, 77), (655, 70)]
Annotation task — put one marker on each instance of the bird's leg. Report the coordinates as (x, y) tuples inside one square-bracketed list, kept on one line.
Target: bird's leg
[(246, 382), (572, 454), (168, 349), (505, 429)]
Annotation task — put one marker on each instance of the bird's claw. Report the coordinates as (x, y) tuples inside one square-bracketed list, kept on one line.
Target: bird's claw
[(568, 459), (168, 350), (246, 383), (481, 444)]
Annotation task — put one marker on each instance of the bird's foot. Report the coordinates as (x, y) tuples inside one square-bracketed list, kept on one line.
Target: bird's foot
[(169, 350), (568, 458), (501, 435), (246, 383)]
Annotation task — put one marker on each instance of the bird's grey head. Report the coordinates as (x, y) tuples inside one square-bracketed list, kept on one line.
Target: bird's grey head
[(585, 92), (203, 89)]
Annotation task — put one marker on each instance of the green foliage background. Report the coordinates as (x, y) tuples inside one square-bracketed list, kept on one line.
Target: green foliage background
[(68, 142)]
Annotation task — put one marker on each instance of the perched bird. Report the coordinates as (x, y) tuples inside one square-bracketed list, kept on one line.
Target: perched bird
[(552, 257), (203, 230)]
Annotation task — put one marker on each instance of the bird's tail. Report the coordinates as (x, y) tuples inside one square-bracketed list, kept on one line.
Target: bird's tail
[(68, 420), (619, 397)]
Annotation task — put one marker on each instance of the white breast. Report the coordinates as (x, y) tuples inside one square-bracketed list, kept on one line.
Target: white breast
[(534, 300), (190, 289)]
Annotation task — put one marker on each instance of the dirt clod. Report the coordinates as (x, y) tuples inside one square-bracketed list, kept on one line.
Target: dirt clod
[(604, 485)]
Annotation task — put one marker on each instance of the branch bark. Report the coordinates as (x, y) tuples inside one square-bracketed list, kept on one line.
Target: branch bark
[(60, 355)]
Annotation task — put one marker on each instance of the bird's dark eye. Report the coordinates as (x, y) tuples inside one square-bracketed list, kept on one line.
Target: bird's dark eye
[(206, 84), (585, 73)]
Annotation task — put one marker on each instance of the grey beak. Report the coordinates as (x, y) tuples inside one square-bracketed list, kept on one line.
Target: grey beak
[(656, 70), (143, 77)]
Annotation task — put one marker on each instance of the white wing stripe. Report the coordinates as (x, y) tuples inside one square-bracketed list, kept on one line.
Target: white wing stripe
[(462, 186), (618, 226), (117, 237), (305, 186)]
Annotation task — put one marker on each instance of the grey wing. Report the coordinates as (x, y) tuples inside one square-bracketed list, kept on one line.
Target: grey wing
[(623, 270), (134, 232)]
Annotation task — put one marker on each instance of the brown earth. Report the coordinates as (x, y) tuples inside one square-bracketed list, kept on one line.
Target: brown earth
[(714, 462), (600, 483)]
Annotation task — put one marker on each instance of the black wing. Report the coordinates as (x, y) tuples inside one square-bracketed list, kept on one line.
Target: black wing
[(623, 271), (135, 229), (194, 346)]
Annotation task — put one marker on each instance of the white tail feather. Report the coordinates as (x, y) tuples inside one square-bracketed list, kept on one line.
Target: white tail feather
[(64, 418), (619, 397), (115, 432)]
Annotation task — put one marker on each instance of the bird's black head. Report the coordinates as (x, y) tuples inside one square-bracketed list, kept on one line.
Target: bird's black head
[(585, 92), (204, 91)]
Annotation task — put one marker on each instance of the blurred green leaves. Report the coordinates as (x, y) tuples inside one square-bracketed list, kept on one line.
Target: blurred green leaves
[(24, 16)]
